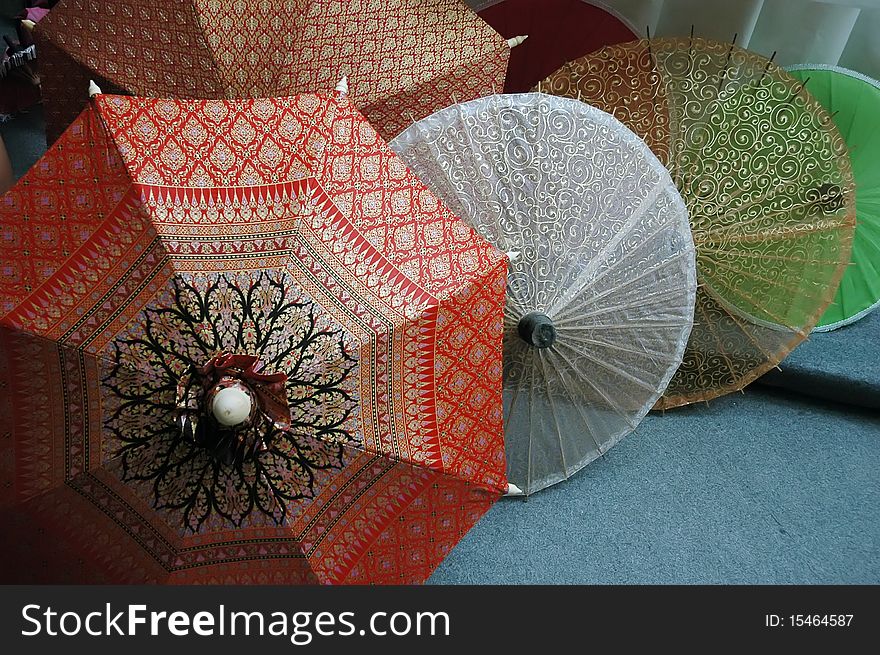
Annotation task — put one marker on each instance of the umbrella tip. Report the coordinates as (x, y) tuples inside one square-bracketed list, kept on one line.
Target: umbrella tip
[(342, 85), (29, 25), (516, 40), (513, 490), (94, 89), (231, 406), (513, 255)]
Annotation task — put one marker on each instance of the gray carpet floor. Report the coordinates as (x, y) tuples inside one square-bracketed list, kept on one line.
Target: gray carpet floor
[(763, 487), (760, 487)]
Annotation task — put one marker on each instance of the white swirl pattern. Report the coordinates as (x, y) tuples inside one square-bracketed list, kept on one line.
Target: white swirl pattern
[(605, 251)]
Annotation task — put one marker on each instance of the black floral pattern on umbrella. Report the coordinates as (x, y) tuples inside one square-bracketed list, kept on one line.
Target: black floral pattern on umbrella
[(263, 314)]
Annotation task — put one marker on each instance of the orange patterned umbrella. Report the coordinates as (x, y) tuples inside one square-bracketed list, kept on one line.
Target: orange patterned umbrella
[(405, 58), (240, 342), (767, 182)]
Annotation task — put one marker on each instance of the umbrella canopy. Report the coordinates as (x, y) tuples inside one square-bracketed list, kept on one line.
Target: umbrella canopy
[(402, 56), (558, 31), (767, 181), (854, 103), (241, 342), (601, 290)]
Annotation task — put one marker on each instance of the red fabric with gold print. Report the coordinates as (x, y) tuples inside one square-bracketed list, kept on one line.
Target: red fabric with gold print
[(404, 58), (164, 250)]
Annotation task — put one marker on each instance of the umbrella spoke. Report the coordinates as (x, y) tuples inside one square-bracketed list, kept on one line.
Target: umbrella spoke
[(573, 309)]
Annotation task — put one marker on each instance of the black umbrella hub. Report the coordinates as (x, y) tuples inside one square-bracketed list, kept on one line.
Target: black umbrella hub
[(537, 330)]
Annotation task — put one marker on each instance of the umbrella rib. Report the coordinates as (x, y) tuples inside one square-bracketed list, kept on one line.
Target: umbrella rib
[(512, 310), (693, 199), (611, 346), (782, 235), (599, 391), (396, 459), (754, 255), (702, 119), (638, 302), (608, 367), (587, 423), (782, 323), (742, 326), (97, 355), (580, 410), (771, 193), (565, 311), (701, 380), (516, 391), (631, 164), (720, 347), (669, 225), (531, 430), (546, 380), (798, 292), (723, 229), (584, 280), (276, 496), (621, 326), (620, 372)]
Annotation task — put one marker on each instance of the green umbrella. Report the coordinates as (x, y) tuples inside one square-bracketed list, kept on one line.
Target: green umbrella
[(854, 101)]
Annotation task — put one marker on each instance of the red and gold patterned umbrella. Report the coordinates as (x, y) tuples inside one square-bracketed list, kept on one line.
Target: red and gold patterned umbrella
[(403, 57), (241, 343)]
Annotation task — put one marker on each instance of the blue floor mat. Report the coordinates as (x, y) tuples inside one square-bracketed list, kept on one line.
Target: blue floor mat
[(754, 488)]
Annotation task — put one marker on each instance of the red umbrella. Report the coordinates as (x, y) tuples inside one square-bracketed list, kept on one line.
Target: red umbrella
[(558, 31), (241, 343), (405, 58)]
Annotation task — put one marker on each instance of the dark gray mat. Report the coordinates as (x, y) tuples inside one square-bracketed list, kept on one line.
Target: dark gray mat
[(843, 365)]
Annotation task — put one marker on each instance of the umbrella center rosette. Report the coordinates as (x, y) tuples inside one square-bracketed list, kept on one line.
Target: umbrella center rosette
[(230, 407), (242, 435)]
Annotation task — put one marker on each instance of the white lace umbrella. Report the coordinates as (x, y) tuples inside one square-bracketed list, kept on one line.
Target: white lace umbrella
[(602, 282)]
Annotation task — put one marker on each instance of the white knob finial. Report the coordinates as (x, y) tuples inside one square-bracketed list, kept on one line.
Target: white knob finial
[(513, 490), (94, 89), (516, 40), (513, 255), (231, 406), (342, 85)]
